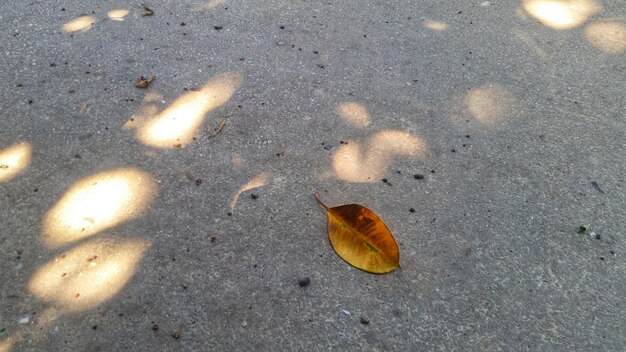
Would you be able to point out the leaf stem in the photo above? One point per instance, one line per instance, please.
(317, 198)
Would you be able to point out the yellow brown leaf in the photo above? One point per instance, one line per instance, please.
(361, 238)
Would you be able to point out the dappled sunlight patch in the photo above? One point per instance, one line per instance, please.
(117, 15)
(209, 5)
(13, 160)
(149, 108)
(238, 162)
(607, 36)
(176, 125)
(97, 203)
(561, 14)
(435, 25)
(89, 274)
(7, 343)
(489, 103)
(259, 180)
(369, 162)
(80, 24)
(354, 114)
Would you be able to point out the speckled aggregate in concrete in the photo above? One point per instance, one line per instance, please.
(517, 127)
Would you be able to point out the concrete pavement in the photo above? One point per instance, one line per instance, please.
(181, 216)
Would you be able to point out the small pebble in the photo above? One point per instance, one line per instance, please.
(364, 320)
(304, 281)
(281, 43)
(177, 334)
(418, 176)
(595, 235)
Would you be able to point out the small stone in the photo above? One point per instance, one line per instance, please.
(177, 334)
(412, 210)
(244, 324)
(583, 229)
(217, 28)
(595, 235)
(281, 43)
(364, 320)
(418, 176)
(304, 281)
(154, 326)
(24, 320)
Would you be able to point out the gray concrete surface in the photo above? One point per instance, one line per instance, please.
(517, 107)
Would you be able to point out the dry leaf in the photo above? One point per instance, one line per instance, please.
(147, 11)
(144, 82)
(361, 238)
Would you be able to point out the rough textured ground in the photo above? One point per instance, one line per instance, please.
(116, 234)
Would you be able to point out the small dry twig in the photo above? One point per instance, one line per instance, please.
(147, 11)
(222, 124)
(144, 82)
